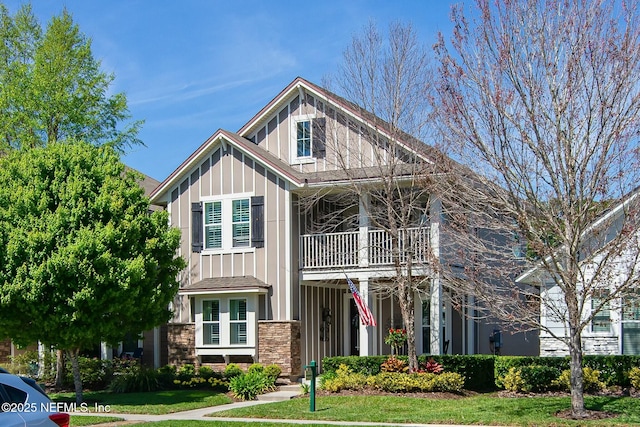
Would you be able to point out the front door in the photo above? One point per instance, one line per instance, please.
(354, 328)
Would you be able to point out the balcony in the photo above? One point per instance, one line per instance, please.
(362, 248)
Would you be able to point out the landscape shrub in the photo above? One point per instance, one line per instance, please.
(24, 364)
(205, 372)
(613, 369)
(477, 370)
(166, 377)
(344, 379)
(397, 382)
(393, 364)
(591, 380)
(634, 377)
(369, 365)
(248, 386)
(186, 372)
(137, 379)
(431, 366)
(273, 371)
(255, 367)
(232, 370)
(533, 378)
(96, 374)
(504, 363)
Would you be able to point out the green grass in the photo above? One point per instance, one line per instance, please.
(89, 420)
(481, 409)
(156, 403)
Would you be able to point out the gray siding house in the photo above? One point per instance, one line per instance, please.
(264, 282)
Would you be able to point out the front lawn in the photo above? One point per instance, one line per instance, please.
(156, 403)
(81, 420)
(481, 409)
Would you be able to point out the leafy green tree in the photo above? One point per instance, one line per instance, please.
(52, 88)
(82, 259)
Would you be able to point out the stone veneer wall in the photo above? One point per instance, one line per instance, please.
(279, 343)
(594, 345)
(5, 351)
(181, 344)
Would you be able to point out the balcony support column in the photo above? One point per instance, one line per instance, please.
(363, 224)
(366, 333)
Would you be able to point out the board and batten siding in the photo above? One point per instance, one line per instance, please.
(229, 172)
(277, 135)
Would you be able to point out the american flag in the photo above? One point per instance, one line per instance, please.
(366, 316)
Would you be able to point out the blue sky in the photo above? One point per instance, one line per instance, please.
(189, 67)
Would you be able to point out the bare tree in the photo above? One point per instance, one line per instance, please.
(386, 82)
(542, 100)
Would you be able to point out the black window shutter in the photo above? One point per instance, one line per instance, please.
(257, 221)
(196, 227)
(319, 126)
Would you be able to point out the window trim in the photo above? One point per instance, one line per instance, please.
(600, 316)
(225, 322)
(211, 322)
(295, 159)
(226, 202)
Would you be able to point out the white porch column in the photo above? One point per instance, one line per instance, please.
(366, 333)
(106, 352)
(436, 286)
(363, 223)
(436, 316)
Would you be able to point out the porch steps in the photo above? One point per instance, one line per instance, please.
(284, 392)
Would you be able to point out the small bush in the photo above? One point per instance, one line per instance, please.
(24, 364)
(344, 379)
(96, 374)
(432, 366)
(393, 364)
(248, 386)
(255, 367)
(232, 370)
(513, 380)
(273, 371)
(206, 372)
(534, 378)
(186, 372)
(138, 379)
(634, 377)
(591, 380)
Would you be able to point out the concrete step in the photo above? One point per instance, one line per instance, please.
(284, 392)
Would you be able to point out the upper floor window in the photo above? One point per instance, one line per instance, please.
(228, 222)
(307, 138)
(235, 232)
(303, 138)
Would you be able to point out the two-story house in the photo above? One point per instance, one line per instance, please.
(266, 277)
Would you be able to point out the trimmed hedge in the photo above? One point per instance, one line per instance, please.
(614, 370)
(477, 370)
(485, 372)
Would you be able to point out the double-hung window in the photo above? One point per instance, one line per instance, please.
(241, 223)
(213, 225)
(227, 223)
(601, 320)
(211, 322)
(303, 138)
(238, 321)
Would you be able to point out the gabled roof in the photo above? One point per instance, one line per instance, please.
(300, 85)
(223, 137)
(298, 179)
(607, 216)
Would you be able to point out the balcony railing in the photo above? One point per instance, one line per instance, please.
(340, 250)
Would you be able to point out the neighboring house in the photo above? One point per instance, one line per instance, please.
(263, 283)
(615, 328)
